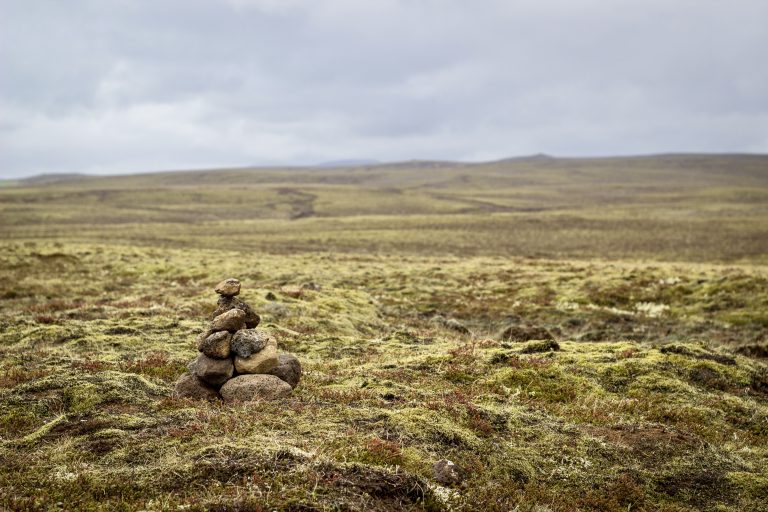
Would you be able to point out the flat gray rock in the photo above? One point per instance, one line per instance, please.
(247, 342)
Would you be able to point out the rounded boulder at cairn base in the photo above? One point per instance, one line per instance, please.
(245, 388)
(288, 368)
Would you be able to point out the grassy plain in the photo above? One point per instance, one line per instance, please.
(650, 273)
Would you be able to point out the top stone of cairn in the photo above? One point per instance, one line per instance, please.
(228, 287)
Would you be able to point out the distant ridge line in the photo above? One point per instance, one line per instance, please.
(54, 178)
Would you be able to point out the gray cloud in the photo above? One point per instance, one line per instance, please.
(129, 85)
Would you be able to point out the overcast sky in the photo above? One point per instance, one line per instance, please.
(107, 86)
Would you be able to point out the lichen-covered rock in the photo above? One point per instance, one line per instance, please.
(215, 345)
(191, 386)
(261, 362)
(233, 320)
(213, 371)
(224, 304)
(294, 292)
(228, 288)
(245, 388)
(447, 473)
(247, 342)
(288, 369)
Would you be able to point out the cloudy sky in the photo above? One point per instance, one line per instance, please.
(107, 86)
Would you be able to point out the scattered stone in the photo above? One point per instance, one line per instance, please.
(311, 286)
(524, 333)
(245, 388)
(263, 361)
(228, 288)
(224, 304)
(292, 291)
(233, 320)
(215, 345)
(270, 296)
(191, 386)
(247, 342)
(447, 473)
(213, 371)
(288, 369)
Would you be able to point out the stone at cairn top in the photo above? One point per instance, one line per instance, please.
(228, 287)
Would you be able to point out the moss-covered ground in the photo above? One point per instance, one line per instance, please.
(650, 403)
(576, 335)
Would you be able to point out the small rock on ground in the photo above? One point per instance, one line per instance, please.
(288, 369)
(294, 292)
(447, 473)
(244, 388)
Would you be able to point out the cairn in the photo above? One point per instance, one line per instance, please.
(237, 362)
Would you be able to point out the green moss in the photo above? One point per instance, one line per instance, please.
(629, 421)
(549, 383)
(533, 347)
(659, 383)
(82, 397)
(42, 431)
(433, 428)
(618, 376)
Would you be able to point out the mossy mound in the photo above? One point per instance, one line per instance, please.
(663, 413)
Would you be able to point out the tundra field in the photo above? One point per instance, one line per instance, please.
(576, 334)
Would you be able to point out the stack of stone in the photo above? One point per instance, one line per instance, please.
(237, 362)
